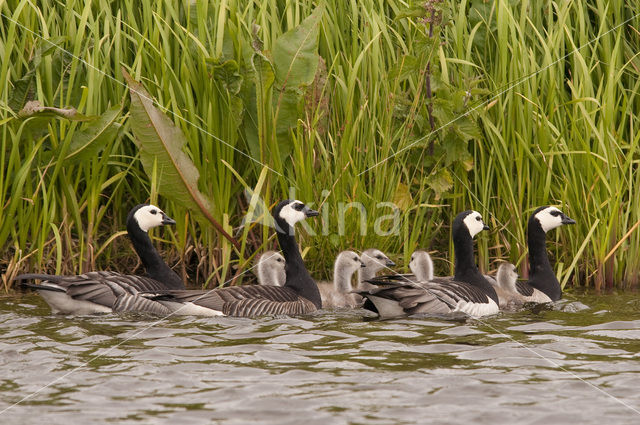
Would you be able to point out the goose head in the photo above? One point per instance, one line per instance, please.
(271, 269)
(375, 260)
(147, 216)
(290, 212)
(469, 221)
(549, 218)
(348, 262)
(421, 265)
(507, 276)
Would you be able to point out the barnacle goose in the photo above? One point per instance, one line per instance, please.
(337, 294)
(299, 295)
(468, 291)
(270, 269)
(542, 286)
(92, 292)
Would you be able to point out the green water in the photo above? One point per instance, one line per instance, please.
(559, 364)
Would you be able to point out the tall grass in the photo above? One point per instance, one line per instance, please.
(557, 125)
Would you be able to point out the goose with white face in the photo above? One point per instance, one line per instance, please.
(551, 217)
(296, 211)
(150, 216)
(474, 223)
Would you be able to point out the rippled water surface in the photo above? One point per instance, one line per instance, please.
(565, 364)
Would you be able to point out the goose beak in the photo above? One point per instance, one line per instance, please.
(485, 227)
(389, 263)
(167, 220)
(310, 213)
(567, 220)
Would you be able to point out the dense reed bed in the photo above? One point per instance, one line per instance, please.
(432, 107)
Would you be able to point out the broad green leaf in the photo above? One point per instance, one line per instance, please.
(402, 197)
(411, 12)
(408, 66)
(264, 73)
(443, 112)
(288, 109)
(24, 88)
(441, 181)
(90, 140)
(316, 99)
(228, 74)
(467, 128)
(255, 101)
(34, 108)
(23, 91)
(455, 149)
(295, 53)
(49, 46)
(161, 142)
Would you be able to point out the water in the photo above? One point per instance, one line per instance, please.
(540, 366)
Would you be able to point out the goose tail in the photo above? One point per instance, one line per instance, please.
(48, 281)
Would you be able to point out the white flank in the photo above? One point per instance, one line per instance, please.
(61, 303)
(537, 297)
(477, 309)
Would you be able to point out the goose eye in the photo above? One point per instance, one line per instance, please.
(555, 213)
(298, 207)
(379, 257)
(153, 212)
(355, 258)
(479, 218)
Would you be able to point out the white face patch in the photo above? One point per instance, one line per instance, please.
(149, 217)
(291, 214)
(474, 223)
(549, 218)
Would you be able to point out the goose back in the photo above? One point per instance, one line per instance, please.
(239, 301)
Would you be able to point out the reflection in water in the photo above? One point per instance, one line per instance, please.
(536, 366)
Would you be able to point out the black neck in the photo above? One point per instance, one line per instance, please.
(466, 269)
(154, 265)
(541, 274)
(298, 278)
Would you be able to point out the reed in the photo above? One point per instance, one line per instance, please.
(537, 102)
